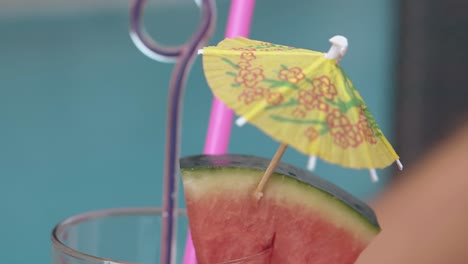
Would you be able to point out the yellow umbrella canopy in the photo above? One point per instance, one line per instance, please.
(298, 97)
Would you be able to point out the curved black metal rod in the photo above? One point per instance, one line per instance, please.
(177, 85)
(184, 56)
(144, 42)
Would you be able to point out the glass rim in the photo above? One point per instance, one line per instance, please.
(97, 214)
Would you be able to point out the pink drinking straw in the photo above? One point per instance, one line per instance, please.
(220, 124)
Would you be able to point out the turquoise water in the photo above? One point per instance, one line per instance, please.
(82, 111)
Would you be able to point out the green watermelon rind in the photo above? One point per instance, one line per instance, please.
(253, 164)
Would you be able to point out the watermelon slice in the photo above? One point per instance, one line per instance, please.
(300, 219)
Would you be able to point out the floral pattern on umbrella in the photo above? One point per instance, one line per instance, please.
(298, 97)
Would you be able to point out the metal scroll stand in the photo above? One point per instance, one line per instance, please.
(183, 56)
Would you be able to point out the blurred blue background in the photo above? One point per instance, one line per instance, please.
(82, 111)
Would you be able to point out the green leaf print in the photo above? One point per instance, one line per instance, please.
(232, 74)
(230, 63)
(277, 83)
(321, 123)
(291, 102)
(298, 121)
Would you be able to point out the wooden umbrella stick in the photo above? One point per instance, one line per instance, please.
(269, 171)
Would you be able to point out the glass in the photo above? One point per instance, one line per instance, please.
(121, 236)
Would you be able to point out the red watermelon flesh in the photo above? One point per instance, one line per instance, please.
(301, 218)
